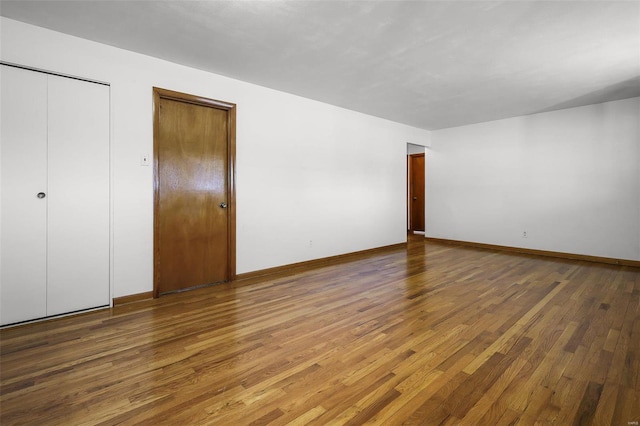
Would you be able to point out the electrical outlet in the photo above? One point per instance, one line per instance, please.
(524, 234)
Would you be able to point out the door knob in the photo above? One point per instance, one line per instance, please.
(223, 205)
(415, 198)
(41, 195)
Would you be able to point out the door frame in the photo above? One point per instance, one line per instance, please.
(410, 191)
(230, 108)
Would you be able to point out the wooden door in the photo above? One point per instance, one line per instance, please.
(416, 192)
(23, 220)
(194, 214)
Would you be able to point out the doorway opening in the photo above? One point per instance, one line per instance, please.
(415, 189)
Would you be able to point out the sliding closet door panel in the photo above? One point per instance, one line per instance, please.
(78, 216)
(23, 174)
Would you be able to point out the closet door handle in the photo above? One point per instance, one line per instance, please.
(41, 195)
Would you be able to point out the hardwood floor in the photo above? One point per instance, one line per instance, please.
(430, 334)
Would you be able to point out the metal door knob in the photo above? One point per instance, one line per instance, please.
(223, 205)
(41, 195)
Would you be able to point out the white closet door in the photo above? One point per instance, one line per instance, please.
(23, 216)
(78, 214)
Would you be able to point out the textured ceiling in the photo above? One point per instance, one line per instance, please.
(430, 64)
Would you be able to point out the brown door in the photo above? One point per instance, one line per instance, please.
(193, 154)
(416, 192)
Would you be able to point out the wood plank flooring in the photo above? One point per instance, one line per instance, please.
(430, 334)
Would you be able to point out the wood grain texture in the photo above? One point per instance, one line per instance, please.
(194, 153)
(416, 192)
(428, 334)
(192, 228)
(117, 301)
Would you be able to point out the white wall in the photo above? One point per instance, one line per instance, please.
(569, 178)
(313, 180)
